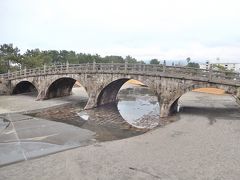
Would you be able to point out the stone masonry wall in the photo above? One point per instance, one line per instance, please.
(4, 90)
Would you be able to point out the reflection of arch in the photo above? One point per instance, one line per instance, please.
(24, 87)
(60, 87)
(109, 93)
(173, 104)
(112, 124)
(110, 116)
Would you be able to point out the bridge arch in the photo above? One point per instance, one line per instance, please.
(60, 87)
(173, 103)
(24, 87)
(109, 92)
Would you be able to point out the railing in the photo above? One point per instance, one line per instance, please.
(224, 77)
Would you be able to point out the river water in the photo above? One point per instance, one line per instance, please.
(135, 112)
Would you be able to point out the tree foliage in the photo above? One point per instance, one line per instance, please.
(154, 61)
(130, 59)
(192, 64)
(188, 60)
(11, 59)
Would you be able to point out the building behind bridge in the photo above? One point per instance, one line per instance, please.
(228, 66)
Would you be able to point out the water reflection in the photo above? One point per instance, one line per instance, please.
(139, 106)
(135, 112)
(105, 121)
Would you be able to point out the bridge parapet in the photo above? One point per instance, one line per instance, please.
(224, 77)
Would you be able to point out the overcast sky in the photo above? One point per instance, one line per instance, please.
(144, 29)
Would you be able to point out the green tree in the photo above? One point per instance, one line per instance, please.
(188, 60)
(97, 58)
(63, 54)
(34, 58)
(154, 61)
(130, 59)
(54, 56)
(114, 59)
(141, 62)
(9, 57)
(193, 65)
(71, 57)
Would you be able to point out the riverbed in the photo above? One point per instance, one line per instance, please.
(54, 119)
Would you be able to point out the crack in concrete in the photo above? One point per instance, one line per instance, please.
(145, 172)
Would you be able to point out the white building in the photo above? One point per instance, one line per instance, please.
(229, 66)
(205, 66)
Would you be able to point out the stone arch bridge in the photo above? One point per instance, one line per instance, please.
(103, 81)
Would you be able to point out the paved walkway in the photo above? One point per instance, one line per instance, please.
(25, 103)
(25, 137)
(203, 144)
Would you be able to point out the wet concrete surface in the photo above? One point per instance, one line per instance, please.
(105, 121)
(23, 137)
(202, 144)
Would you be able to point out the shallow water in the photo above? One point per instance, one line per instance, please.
(133, 110)
(113, 121)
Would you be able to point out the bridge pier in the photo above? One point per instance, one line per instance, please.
(167, 109)
(92, 101)
(41, 95)
(164, 110)
(4, 87)
(168, 103)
